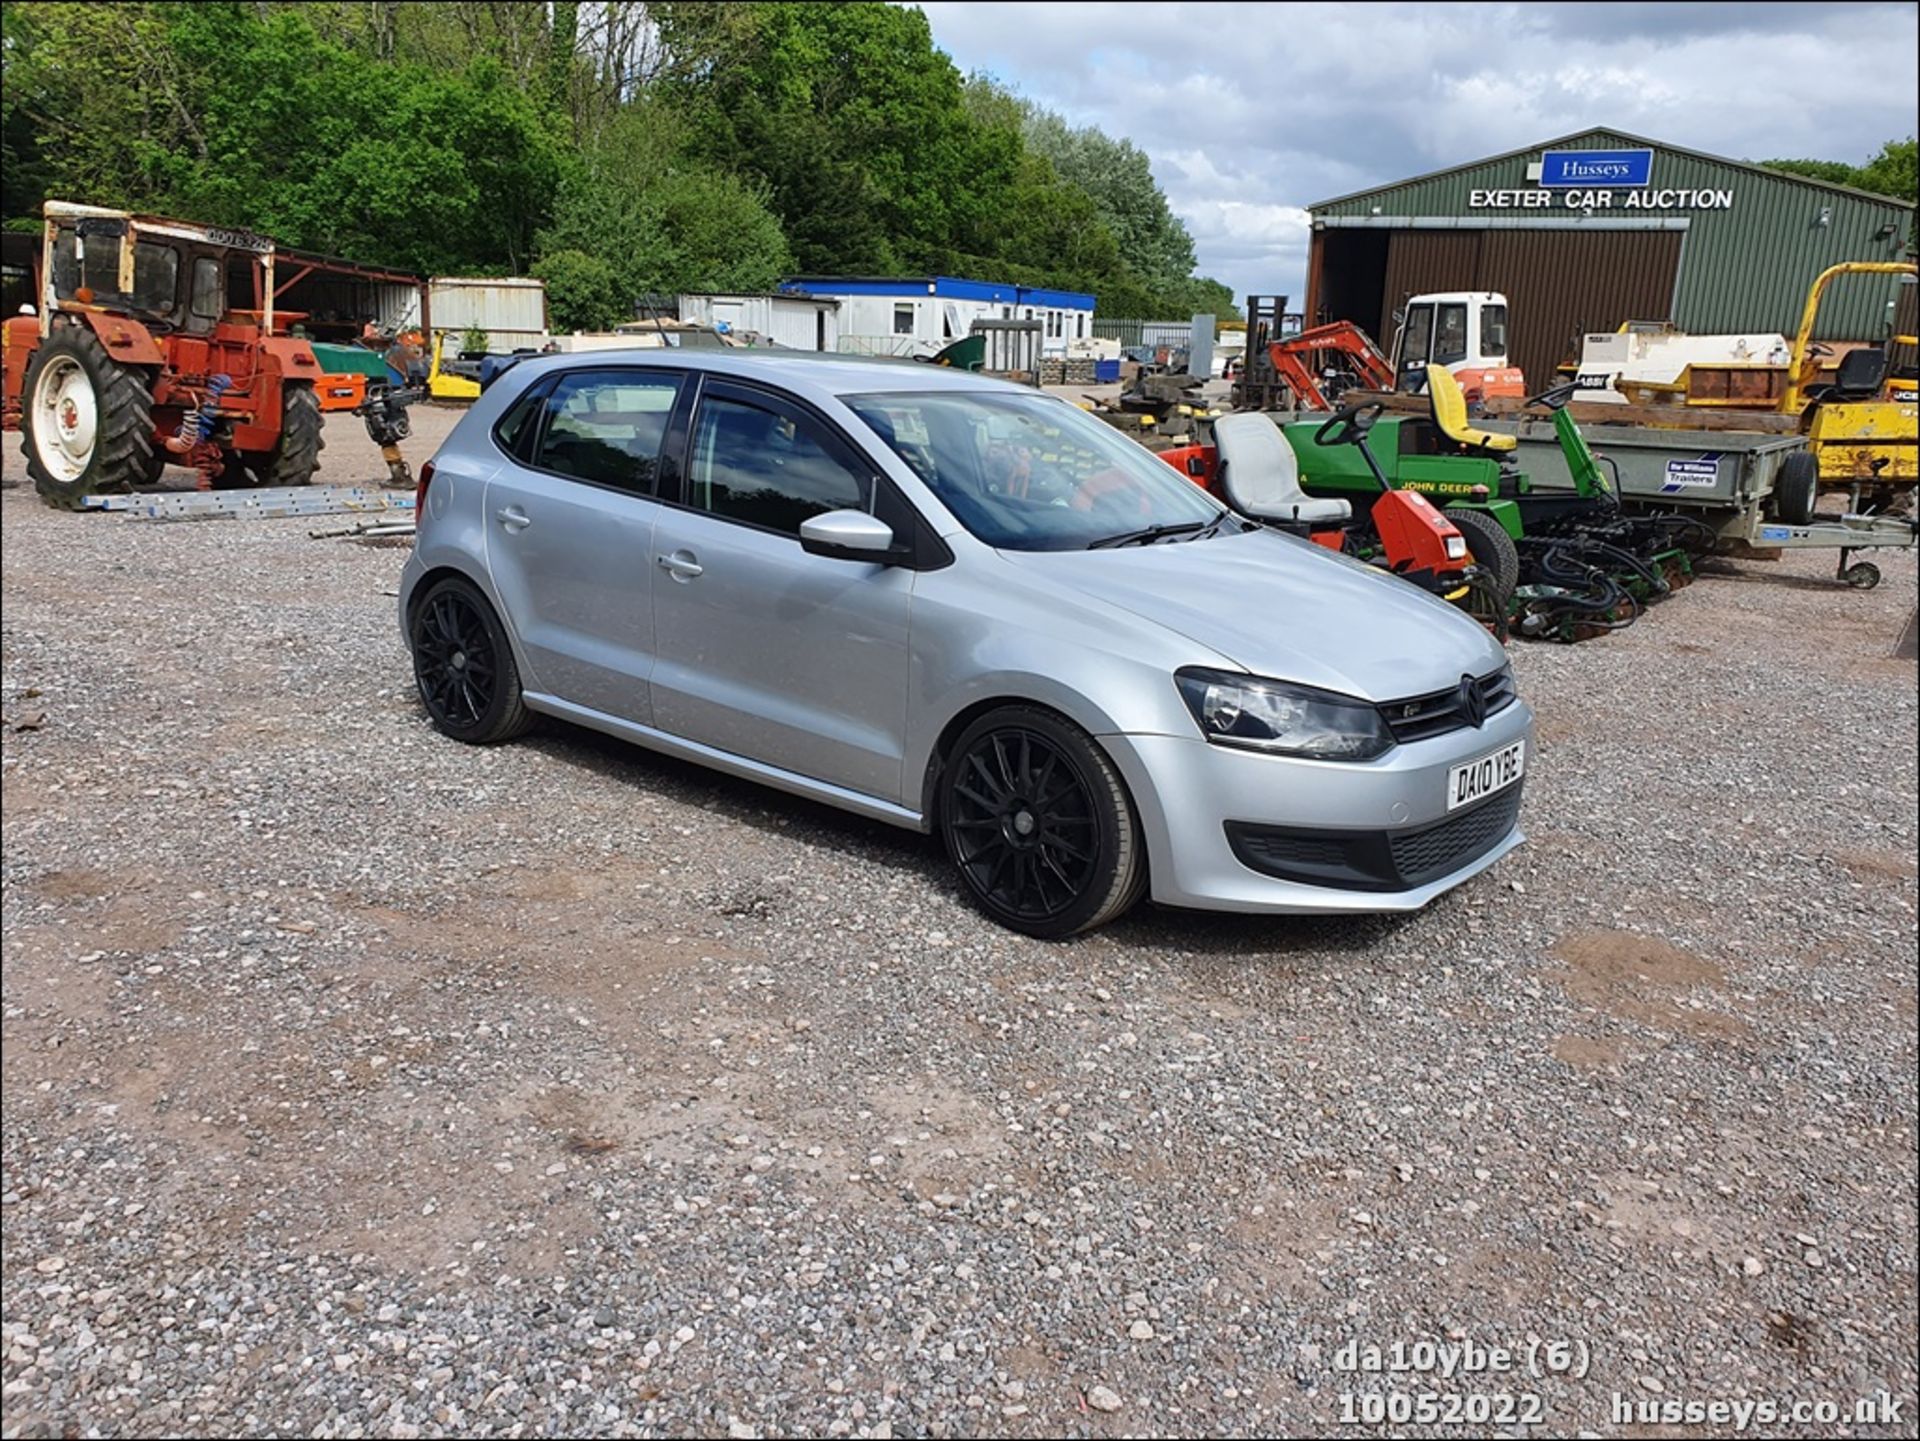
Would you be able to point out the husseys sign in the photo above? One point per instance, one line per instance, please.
(1586, 180)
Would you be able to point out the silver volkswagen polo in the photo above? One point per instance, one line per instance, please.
(962, 606)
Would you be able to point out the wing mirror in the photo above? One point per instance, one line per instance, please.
(849, 535)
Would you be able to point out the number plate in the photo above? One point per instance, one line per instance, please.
(1476, 780)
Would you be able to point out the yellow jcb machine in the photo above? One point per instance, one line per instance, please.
(1862, 426)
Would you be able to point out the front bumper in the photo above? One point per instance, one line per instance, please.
(1188, 791)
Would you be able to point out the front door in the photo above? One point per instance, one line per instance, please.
(763, 650)
(570, 521)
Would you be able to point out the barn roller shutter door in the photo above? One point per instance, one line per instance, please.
(1561, 283)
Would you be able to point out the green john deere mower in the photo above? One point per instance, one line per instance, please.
(1566, 564)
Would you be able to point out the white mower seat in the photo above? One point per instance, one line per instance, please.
(1260, 475)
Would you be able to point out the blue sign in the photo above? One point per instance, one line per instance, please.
(1566, 168)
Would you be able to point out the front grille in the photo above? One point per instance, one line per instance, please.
(1424, 717)
(1376, 860)
(1433, 851)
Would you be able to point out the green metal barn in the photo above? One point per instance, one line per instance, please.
(1592, 230)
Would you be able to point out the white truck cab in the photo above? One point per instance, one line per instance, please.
(1462, 331)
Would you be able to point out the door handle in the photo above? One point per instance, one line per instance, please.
(513, 518)
(681, 565)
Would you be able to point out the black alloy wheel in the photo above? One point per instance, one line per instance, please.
(465, 667)
(1036, 818)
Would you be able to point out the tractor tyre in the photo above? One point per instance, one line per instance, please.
(1492, 550)
(156, 471)
(1796, 489)
(86, 420)
(294, 460)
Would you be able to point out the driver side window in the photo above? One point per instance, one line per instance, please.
(769, 467)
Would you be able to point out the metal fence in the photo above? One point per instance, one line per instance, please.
(1156, 333)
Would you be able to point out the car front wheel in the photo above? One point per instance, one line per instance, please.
(1039, 824)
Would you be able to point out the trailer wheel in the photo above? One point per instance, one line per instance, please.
(1861, 575)
(1796, 488)
(87, 424)
(297, 456)
(1492, 550)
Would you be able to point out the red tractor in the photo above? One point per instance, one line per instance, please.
(135, 361)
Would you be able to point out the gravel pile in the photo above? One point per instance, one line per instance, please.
(358, 1083)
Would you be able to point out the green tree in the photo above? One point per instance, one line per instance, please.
(1895, 170)
(1135, 254)
(1118, 178)
(1891, 172)
(855, 124)
(658, 222)
(137, 106)
(583, 293)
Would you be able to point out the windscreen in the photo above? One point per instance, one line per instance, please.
(1031, 472)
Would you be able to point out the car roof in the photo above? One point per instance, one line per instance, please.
(811, 374)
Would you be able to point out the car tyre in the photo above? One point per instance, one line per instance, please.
(1040, 825)
(464, 666)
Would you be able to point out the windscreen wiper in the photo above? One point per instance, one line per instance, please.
(1150, 534)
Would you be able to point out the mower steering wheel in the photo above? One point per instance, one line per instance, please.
(1353, 422)
(1553, 398)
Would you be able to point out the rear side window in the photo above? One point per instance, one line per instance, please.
(606, 427)
(768, 468)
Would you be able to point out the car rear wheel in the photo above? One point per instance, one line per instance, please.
(1039, 824)
(464, 666)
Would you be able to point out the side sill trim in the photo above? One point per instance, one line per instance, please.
(790, 781)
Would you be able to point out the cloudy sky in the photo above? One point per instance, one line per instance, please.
(1250, 112)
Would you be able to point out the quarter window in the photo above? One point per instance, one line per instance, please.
(768, 469)
(516, 428)
(606, 427)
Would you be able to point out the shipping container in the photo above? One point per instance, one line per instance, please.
(511, 310)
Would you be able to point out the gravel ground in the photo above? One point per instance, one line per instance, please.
(357, 1083)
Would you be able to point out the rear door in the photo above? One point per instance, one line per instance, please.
(764, 651)
(570, 521)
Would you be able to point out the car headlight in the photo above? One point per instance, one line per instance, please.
(1270, 715)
